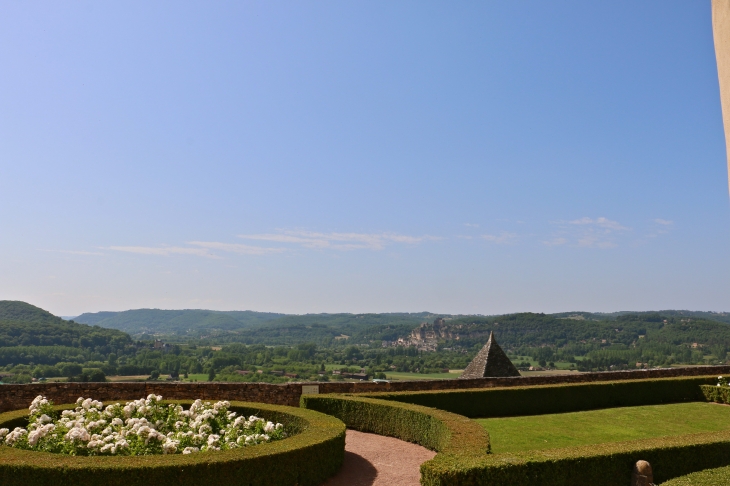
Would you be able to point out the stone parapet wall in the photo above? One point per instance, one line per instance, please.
(14, 397)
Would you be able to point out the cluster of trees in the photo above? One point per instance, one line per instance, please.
(36, 344)
(265, 363)
(213, 327)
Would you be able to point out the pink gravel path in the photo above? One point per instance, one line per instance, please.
(375, 460)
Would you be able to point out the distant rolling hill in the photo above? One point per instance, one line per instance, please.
(29, 334)
(255, 327)
(514, 330)
(607, 316)
(176, 322)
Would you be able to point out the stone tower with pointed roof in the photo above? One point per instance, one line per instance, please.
(490, 362)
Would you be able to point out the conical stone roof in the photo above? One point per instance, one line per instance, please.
(490, 362)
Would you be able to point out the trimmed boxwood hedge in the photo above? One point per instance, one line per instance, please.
(538, 400)
(434, 429)
(710, 477)
(714, 393)
(314, 453)
(463, 457)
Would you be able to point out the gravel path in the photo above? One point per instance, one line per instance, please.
(376, 460)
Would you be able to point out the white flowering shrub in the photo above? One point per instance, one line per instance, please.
(140, 427)
(721, 381)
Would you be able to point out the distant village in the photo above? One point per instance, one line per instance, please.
(426, 336)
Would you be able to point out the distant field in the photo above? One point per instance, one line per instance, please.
(548, 372)
(192, 377)
(420, 376)
(128, 378)
(553, 431)
(196, 377)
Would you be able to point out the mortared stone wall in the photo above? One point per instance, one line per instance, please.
(14, 397)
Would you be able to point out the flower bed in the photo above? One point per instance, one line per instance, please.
(312, 451)
(141, 427)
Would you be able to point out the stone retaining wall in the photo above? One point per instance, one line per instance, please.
(14, 397)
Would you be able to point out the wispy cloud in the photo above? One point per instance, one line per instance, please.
(587, 232)
(660, 227)
(471, 225)
(595, 240)
(164, 250)
(302, 239)
(502, 238)
(599, 223)
(338, 241)
(555, 241)
(236, 248)
(77, 252)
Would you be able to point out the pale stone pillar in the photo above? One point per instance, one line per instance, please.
(721, 32)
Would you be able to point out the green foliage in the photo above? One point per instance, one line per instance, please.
(592, 342)
(176, 322)
(256, 327)
(536, 400)
(89, 374)
(307, 458)
(38, 342)
(714, 393)
(451, 435)
(17, 311)
(31, 335)
(462, 459)
(710, 477)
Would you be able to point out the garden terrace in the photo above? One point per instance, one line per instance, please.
(313, 453)
(14, 397)
(463, 446)
(539, 400)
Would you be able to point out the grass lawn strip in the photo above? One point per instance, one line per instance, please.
(574, 429)
(708, 477)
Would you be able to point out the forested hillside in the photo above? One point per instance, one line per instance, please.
(28, 326)
(203, 326)
(224, 345)
(183, 323)
(655, 338)
(32, 336)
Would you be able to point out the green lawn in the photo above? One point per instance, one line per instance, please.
(396, 375)
(708, 477)
(552, 431)
(196, 377)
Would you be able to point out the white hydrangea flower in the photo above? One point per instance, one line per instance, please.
(143, 426)
(15, 435)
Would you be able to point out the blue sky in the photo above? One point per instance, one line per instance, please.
(468, 157)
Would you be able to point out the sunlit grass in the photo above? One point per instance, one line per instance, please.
(513, 434)
(395, 375)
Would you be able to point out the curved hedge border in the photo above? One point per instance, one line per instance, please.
(463, 445)
(711, 477)
(714, 393)
(309, 457)
(538, 400)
